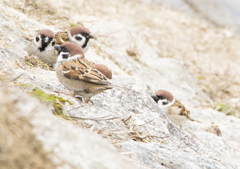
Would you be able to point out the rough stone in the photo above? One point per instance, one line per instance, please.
(128, 119)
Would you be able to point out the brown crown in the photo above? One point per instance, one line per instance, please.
(79, 29)
(73, 48)
(165, 94)
(104, 70)
(47, 33)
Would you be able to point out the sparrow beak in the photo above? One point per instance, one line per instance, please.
(57, 47)
(155, 98)
(91, 37)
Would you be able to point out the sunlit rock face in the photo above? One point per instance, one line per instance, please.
(124, 128)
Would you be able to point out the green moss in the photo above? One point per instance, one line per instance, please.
(225, 108)
(57, 102)
(72, 24)
(30, 64)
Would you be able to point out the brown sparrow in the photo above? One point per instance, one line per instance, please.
(78, 74)
(43, 47)
(174, 110)
(79, 35)
(104, 70)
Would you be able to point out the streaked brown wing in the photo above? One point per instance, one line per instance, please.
(61, 37)
(183, 110)
(82, 69)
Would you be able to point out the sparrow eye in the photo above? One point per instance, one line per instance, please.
(53, 43)
(37, 39)
(64, 49)
(161, 97)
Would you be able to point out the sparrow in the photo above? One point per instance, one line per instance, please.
(174, 109)
(43, 47)
(78, 74)
(104, 70)
(79, 35)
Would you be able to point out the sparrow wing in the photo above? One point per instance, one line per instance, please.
(82, 69)
(61, 37)
(184, 111)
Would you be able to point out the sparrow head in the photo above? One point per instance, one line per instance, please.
(104, 70)
(67, 50)
(80, 35)
(45, 40)
(163, 97)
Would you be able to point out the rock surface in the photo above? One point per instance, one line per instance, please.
(128, 119)
(220, 12)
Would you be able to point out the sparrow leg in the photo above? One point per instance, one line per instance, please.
(74, 94)
(88, 100)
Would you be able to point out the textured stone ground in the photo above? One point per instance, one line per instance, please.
(127, 129)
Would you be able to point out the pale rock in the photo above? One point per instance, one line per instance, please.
(135, 116)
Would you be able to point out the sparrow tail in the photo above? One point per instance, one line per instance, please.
(194, 120)
(119, 87)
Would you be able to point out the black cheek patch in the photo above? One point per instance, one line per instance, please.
(165, 103)
(86, 42)
(65, 56)
(78, 38)
(44, 44)
(37, 38)
(53, 43)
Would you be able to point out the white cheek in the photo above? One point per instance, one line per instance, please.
(50, 45)
(160, 103)
(165, 101)
(164, 107)
(38, 44)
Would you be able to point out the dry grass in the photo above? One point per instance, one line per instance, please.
(33, 61)
(210, 54)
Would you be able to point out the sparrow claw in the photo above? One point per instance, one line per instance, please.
(88, 100)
